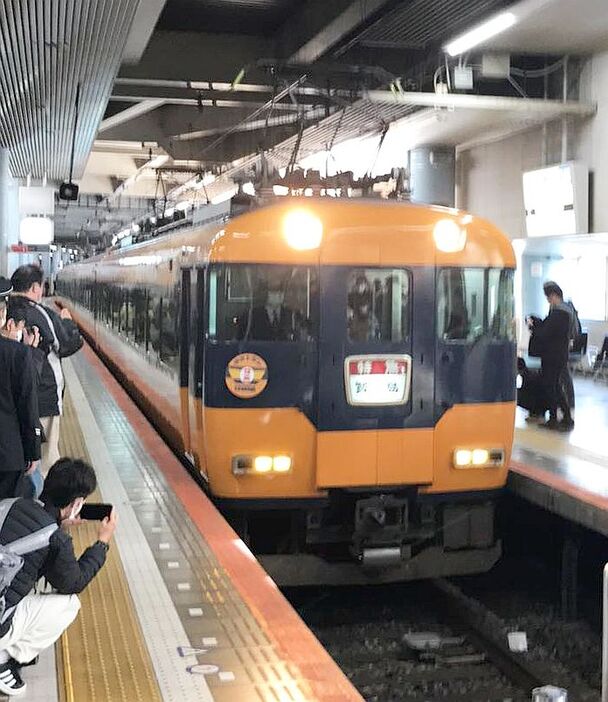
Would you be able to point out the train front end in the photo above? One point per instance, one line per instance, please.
(357, 388)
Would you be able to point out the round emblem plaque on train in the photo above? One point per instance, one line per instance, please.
(247, 375)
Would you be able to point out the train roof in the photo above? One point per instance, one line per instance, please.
(331, 231)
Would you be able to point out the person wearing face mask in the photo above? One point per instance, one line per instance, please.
(19, 425)
(360, 312)
(32, 621)
(59, 337)
(272, 321)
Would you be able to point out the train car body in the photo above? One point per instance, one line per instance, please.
(342, 373)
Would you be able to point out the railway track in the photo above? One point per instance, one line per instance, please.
(428, 642)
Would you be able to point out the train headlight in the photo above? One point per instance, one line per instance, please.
(281, 464)
(302, 230)
(262, 464)
(479, 458)
(463, 458)
(449, 236)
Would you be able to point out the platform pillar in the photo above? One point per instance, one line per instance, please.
(569, 576)
(433, 175)
(9, 214)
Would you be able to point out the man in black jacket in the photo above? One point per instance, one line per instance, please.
(33, 622)
(59, 338)
(553, 338)
(19, 425)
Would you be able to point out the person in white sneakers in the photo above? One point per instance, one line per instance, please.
(32, 622)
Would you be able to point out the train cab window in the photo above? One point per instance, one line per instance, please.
(378, 307)
(473, 303)
(501, 313)
(263, 303)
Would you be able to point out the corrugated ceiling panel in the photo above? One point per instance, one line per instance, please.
(421, 23)
(47, 47)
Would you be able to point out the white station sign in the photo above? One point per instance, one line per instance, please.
(377, 380)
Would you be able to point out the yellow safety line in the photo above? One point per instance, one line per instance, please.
(67, 670)
(110, 661)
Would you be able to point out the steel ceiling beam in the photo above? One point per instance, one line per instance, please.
(481, 102)
(334, 31)
(251, 125)
(133, 112)
(143, 25)
(47, 48)
(203, 102)
(149, 88)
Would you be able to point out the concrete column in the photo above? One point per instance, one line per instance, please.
(9, 215)
(433, 175)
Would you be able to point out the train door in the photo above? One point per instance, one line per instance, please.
(375, 380)
(191, 362)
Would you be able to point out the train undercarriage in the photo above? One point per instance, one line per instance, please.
(363, 536)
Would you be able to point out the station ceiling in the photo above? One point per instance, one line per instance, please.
(175, 88)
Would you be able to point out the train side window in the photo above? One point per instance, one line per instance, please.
(139, 300)
(378, 307)
(155, 310)
(460, 304)
(501, 313)
(169, 347)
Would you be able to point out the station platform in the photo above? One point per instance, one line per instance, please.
(567, 474)
(182, 610)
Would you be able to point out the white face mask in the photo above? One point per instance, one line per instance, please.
(19, 336)
(77, 506)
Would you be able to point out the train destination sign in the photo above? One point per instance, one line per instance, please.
(377, 380)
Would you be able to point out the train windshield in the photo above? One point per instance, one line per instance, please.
(475, 303)
(263, 303)
(378, 305)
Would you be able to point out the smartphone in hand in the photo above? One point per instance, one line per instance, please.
(95, 511)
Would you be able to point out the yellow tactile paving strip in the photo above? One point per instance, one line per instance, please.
(102, 656)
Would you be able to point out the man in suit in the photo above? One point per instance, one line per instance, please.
(19, 423)
(271, 321)
(552, 337)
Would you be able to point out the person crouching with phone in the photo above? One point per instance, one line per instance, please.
(33, 622)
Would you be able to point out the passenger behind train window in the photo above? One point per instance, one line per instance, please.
(475, 303)
(378, 305)
(263, 303)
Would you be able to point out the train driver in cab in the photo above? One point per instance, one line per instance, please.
(269, 319)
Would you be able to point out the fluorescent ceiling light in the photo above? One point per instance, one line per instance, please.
(480, 34)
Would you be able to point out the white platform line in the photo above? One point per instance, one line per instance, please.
(160, 623)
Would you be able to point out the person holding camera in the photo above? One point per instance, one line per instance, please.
(19, 421)
(31, 622)
(59, 337)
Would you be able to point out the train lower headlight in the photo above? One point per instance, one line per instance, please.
(302, 230)
(449, 236)
(462, 458)
(262, 464)
(480, 457)
(281, 464)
